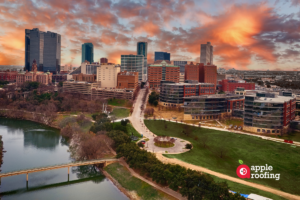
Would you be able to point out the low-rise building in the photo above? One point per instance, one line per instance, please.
(84, 77)
(93, 90)
(268, 113)
(61, 77)
(172, 94)
(162, 71)
(9, 76)
(127, 80)
(230, 86)
(181, 77)
(211, 106)
(34, 75)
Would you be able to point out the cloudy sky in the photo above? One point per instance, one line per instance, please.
(256, 35)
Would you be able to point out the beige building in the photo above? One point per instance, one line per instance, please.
(107, 75)
(181, 77)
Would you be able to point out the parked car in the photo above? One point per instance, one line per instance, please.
(235, 127)
(230, 126)
(174, 138)
(143, 141)
(240, 128)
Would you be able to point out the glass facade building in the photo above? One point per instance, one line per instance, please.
(133, 63)
(162, 56)
(87, 52)
(45, 48)
(267, 112)
(211, 106)
(172, 94)
(142, 49)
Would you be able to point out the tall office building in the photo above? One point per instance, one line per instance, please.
(45, 48)
(142, 49)
(181, 64)
(133, 63)
(87, 52)
(206, 55)
(162, 56)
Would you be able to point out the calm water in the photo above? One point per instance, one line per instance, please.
(30, 144)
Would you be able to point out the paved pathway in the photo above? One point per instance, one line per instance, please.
(137, 121)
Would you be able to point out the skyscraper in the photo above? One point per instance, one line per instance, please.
(162, 56)
(45, 48)
(206, 55)
(142, 48)
(87, 52)
(133, 63)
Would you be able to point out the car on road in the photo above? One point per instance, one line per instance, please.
(240, 128)
(143, 141)
(174, 138)
(230, 126)
(235, 127)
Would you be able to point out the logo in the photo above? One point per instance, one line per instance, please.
(243, 171)
(258, 172)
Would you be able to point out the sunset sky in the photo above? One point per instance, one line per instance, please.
(257, 35)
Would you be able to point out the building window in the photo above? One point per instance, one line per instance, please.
(258, 130)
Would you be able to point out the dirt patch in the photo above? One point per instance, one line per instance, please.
(167, 113)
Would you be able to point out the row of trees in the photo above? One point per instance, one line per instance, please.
(191, 184)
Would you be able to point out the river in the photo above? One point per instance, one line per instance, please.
(29, 144)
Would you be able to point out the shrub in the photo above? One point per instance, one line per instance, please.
(141, 144)
(188, 146)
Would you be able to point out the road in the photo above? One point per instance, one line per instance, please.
(137, 121)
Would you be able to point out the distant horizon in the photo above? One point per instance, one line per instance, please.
(245, 35)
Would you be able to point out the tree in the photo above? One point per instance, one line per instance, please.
(124, 122)
(188, 146)
(141, 145)
(119, 137)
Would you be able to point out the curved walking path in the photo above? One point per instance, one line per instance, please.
(223, 176)
(137, 120)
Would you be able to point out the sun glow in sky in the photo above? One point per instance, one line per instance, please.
(256, 35)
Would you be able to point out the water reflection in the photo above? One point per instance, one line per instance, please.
(41, 139)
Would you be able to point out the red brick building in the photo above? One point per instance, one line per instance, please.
(162, 71)
(9, 76)
(230, 86)
(103, 60)
(201, 73)
(127, 80)
(85, 77)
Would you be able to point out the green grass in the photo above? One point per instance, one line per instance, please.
(118, 102)
(131, 183)
(244, 189)
(295, 136)
(252, 150)
(120, 112)
(131, 129)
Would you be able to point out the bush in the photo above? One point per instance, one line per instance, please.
(141, 144)
(124, 122)
(120, 128)
(119, 137)
(188, 146)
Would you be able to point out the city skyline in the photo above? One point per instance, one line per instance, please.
(244, 35)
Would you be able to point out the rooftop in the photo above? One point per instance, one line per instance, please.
(160, 63)
(188, 84)
(214, 96)
(276, 99)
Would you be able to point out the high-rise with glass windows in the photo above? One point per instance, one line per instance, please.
(162, 56)
(87, 52)
(207, 53)
(133, 63)
(45, 48)
(142, 48)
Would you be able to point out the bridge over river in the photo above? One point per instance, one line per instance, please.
(67, 165)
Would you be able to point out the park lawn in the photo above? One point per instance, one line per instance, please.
(120, 112)
(295, 136)
(118, 102)
(131, 183)
(252, 150)
(244, 189)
